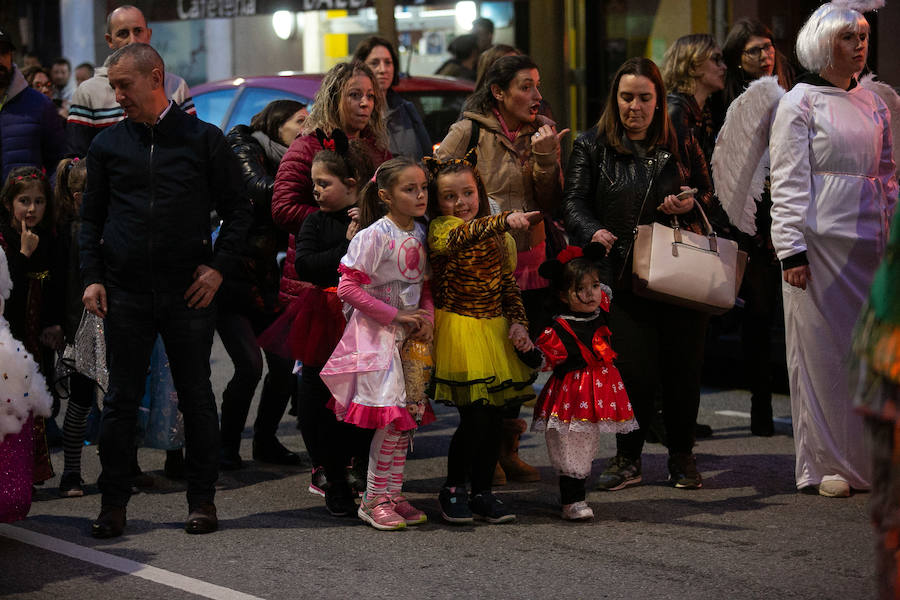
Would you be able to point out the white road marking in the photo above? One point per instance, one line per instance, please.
(746, 415)
(123, 565)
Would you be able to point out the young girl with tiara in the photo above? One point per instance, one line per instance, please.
(313, 322)
(584, 396)
(384, 289)
(479, 323)
(35, 307)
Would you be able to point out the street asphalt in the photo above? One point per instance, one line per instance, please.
(747, 534)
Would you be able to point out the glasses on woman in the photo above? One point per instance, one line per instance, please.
(758, 51)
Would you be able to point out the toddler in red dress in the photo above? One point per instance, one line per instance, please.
(584, 396)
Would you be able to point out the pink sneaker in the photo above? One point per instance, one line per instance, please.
(411, 514)
(379, 513)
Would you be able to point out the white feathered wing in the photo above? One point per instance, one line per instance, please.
(892, 100)
(740, 159)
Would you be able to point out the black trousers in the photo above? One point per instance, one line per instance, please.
(658, 345)
(475, 447)
(761, 291)
(132, 323)
(238, 334)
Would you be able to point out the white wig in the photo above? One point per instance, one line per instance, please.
(815, 42)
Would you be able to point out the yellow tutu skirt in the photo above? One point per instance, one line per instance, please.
(476, 362)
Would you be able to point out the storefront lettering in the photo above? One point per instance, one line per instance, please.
(215, 9)
(334, 4)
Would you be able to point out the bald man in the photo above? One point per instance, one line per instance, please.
(93, 106)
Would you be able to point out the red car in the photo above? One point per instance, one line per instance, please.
(229, 102)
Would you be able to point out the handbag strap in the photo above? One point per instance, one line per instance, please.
(710, 232)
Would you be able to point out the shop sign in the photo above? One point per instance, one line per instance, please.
(184, 10)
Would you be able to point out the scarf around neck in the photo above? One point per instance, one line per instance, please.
(274, 150)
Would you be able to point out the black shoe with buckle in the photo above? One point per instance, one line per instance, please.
(110, 523)
(202, 519)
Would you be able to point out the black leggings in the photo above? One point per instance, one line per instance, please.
(475, 447)
(329, 442)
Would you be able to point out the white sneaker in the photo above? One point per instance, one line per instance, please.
(577, 511)
(834, 488)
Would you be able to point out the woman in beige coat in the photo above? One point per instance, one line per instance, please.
(518, 158)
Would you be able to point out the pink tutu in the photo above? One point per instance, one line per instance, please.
(379, 417)
(309, 329)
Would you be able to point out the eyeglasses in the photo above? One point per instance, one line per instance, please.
(757, 51)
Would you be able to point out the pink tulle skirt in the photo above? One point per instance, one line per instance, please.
(309, 329)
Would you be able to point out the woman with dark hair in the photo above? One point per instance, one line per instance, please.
(518, 157)
(465, 51)
(749, 55)
(624, 172)
(349, 99)
(249, 302)
(406, 131)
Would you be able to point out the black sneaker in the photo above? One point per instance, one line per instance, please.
(683, 471)
(318, 482)
(339, 499)
(488, 507)
(620, 472)
(455, 505)
(70, 485)
(357, 475)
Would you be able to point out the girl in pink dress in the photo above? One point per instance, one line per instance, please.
(383, 287)
(584, 396)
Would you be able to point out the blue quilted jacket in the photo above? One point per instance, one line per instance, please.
(31, 131)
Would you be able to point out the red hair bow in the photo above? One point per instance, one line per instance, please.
(328, 144)
(568, 253)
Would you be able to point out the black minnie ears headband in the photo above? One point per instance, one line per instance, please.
(552, 269)
(336, 142)
(434, 166)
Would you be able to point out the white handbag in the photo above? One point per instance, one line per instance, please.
(678, 266)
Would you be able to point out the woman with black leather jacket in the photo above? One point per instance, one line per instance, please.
(622, 173)
(248, 301)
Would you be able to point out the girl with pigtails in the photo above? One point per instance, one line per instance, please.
(387, 301)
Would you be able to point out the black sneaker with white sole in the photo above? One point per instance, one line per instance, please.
(488, 507)
(455, 505)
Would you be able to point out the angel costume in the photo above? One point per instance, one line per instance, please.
(833, 192)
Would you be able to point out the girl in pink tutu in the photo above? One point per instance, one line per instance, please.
(383, 287)
(314, 322)
(584, 396)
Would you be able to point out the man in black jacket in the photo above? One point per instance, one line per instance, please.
(150, 269)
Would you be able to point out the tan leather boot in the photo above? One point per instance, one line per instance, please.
(499, 476)
(513, 466)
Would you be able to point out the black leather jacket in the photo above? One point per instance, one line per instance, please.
(606, 188)
(255, 285)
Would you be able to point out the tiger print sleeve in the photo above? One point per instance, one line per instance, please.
(451, 234)
(510, 295)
